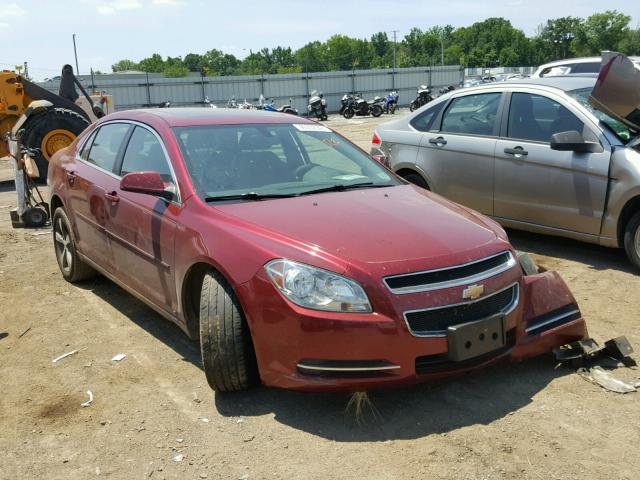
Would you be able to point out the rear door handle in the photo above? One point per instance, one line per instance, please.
(517, 152)
(71, 176)
(438, 141)
(112, 197)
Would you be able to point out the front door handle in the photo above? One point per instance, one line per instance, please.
(71, 176)
(517, 152)
(439, 141)
(112, 197)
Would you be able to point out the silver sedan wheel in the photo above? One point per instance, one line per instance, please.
(62, 240)
(636, 241)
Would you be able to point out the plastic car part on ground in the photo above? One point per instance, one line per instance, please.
(595, 358)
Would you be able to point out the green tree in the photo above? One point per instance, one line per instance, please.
(175, 70)
(154, 64)
(311, 57)
(630, 44)
(601, 31)
(194, 62)
(558, 35)
(124, 65)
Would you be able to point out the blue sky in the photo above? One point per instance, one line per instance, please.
(110, 30)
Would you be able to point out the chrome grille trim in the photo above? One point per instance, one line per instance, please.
(347, 369)
(470, 279)
(556, 319)
(442, 333)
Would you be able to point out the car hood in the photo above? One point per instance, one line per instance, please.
(617, 90)
(378, 226)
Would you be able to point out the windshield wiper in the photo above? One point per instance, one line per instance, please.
(342, 187)
(247, 196)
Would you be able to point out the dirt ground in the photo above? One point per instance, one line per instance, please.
(154, 408)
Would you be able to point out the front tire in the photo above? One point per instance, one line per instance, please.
(348, 113)
(376, 110)
(413, 106)
(632, 240)
(73, 269)
(225, 340)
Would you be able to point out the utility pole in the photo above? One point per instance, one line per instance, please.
(26, 70)
(75, 54)
(442, 47)
(394, 49)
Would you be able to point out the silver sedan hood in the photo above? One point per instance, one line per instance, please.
(617, 90)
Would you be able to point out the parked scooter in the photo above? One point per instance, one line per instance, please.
(317, 105)
(424, 97)
(208, 104)
(270, 107)
(165, 104)
(391, 102)
(355, 105)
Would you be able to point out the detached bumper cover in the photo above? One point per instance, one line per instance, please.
(306, 350)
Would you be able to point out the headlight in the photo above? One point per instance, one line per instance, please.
(317, 289)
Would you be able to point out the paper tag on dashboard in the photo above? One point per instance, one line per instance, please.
(311, 127)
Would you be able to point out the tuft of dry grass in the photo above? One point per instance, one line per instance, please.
(359, 405)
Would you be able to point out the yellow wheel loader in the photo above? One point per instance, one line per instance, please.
(43, 121)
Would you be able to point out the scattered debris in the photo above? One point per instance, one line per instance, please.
(203, 419)
(88, 402)
(4, 335)
(41, 232)
(179, 440)
(195, 398)
(118, 357)
(24, 333)
(244, 476)
(64, 355)
(178, 458)
(240, 420)
(603, 378)
(248, 439)
(588, 353)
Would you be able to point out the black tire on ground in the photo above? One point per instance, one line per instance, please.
(323, 116)
(376, 110)
(348, 113)
(392, 108)
(40, 124)
(413, 106)
(73, 269)
(35, 217)
(416, 179)
(632, 240)
(225, 341)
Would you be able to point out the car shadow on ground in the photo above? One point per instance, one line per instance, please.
(7, 186)
(595, 256)
(481, 397)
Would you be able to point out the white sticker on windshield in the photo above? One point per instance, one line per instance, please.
(311, 127)
(348, 177)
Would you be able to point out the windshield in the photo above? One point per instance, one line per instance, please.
(621, 131)
(274, 160)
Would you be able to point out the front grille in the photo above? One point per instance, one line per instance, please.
(450, 276)
(435, 321)
(440, 362)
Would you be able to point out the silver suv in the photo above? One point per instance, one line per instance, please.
(556, 155)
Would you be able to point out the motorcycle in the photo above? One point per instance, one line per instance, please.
(424, 97)
(165, 104)
(270, 107)
(233, 103)
(391, 102)
(208, 104)
(355, 105)
(317, 105)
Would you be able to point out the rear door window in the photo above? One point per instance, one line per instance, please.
(106, 145)
(536, 118)
(472, 114)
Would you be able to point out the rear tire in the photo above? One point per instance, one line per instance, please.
(48, 131)
(324, 116)
(413, 106)
(225, 341)
(348, 113)
(35, 217)
(73, 269)
(392, 108)
(632, 240)
(416, 179)
(376, 110)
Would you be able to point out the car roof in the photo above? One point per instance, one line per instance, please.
(565, 83)
(182, 117)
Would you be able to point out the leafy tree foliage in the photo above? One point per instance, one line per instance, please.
(490, 43)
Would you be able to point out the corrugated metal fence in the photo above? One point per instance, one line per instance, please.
(142, 90)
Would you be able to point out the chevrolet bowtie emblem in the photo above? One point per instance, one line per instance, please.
(472, 292)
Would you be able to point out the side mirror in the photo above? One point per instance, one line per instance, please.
(145, 182)
(573, 141)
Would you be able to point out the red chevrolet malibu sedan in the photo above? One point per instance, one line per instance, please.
(295, 259)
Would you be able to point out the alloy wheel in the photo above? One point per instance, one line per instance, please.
(62, 239)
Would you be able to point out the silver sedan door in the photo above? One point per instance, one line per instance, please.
(458, 157)
(535, 185)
